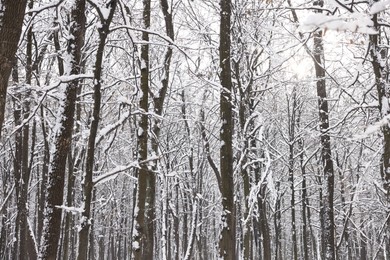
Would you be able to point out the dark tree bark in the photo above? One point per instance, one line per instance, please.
(144, 236)
(305, 233)
(73, 166)
(43, 179)
(277, 223)
(326, 155)
(55, 190)
(10, 31)
(291, 143)
(90, 162)
(262, 222)
(24, 245)
(227, 242)
(379, 63)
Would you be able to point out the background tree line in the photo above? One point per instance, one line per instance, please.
(194, 129)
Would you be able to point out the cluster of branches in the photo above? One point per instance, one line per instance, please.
(194, 130)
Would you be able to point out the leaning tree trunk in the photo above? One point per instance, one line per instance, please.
(326, 155)
(144, 234)
(227, 242)
(379, 63)
(56, 181)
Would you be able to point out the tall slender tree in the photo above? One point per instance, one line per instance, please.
(326, 154)
(379, 61)
(144, 234)
(227, 243)
(87, 182)
(56, 178)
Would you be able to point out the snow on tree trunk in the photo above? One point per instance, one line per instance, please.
(86, 221)
(326, 155)
(56, 178)
(143, 244)
(379, 56)
(227, 242)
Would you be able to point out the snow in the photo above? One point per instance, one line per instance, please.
(105, 12)
(193, 230)
(143, 64)
(385, 105)
(374, 128)
(379, 6)
(43, 7)
(252, 199)
(73, 210)
(135, 245)
(114, 173)
(70, 78)
(355, 22)
(140, 131)
(109, 128)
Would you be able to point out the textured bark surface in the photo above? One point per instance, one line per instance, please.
(10, 31)
(56, 178)
(381, 71)
(86, 221)
(326, 155)
(227, 243)
(292, 112)
(144, 235)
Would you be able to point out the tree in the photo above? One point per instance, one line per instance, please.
(10, 31)
(56, 178)
(144, 234)
(227, 243)
(88, 181)
(326, 151)
(379, 56)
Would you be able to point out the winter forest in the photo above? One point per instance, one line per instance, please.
(195, 129)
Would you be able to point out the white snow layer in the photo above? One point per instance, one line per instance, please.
(355, 22)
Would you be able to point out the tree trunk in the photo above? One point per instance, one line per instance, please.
(10, 31)
(291, 131)
(55, 190)
(326, 155)
(277, 223)
(86, 220)
(144, 236)
(227, 242)
(379, 63)
(305, 236)
(263, 223)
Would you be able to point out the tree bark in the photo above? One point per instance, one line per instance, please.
(381, 71)
(227, 242)
(55, 190)
(86, 220)
(326, 155)
(291, 131)
(10, 31)
(144, 235)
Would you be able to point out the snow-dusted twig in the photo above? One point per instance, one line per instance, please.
(256, 189)
(193, 230)
(109, 128)
(44, 7)
(7, 198)
(113, 173)
(165, 38)
(70, 209)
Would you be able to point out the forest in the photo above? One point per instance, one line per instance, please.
(195, 129)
